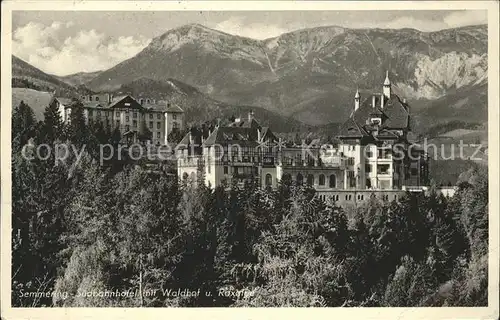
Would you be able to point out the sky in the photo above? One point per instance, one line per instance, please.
(67, 42)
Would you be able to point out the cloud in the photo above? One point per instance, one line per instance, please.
(466, 18)
(88, 50)
(451, 20)
(256, 30)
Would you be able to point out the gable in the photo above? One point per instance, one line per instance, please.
(126, 102)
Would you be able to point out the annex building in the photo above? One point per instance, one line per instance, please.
(373, 157)
(133, 117)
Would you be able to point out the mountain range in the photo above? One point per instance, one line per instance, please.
(311, 74)
(308, 75)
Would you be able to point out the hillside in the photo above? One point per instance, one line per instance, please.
(199, 107)
(24, 75)
(312, 74)
(80, 78)
(37, 100)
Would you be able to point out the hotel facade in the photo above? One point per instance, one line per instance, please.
(373, 156)
(133, 117)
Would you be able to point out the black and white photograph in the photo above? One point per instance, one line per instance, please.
(253, 157)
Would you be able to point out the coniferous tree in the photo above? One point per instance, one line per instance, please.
(52, 127)
(77, 129)
(23, 125)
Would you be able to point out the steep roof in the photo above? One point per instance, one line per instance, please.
(352, 129)
(122, 102)
(243, 136)
(173, 108)
(246, 124)
(395, 114)
(398, 113)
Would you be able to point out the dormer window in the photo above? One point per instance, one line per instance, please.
(376, 121)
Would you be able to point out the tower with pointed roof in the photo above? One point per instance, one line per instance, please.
(387, 85)
(356, 100)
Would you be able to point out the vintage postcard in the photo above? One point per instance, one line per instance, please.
(240, 159)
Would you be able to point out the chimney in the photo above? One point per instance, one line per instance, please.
(190, 138)
(258, 135)
(373, 101)
(382, 101)
(250, 116)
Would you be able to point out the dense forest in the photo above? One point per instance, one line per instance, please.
(82, 227)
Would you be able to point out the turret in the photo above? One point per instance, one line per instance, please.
(250, 116)
(356, 100)
(387, 85)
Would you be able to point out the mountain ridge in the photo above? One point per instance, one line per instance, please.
(315, 69)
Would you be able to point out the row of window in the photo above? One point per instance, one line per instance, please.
(332, 179)
(134, 114)
(359, 197)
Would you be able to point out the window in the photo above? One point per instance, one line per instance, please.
(127, 119)
(368, 183)
(368, 168)
(269, 180)
(369, 153)
(118, 122)
(300, 178)
(158, 116)
(90, 98)
(384, 153)
(350, 161)
(90, 113)
(310, 179)
(135, 115)
(127, 128)
(117, 113)
(135, 123)
(175, 125)
(174, 117)
(383, 169)
(158, 135)
(127, 104)
(151, 124)
(150, 116)
(158, 125)
(333, 181)
(99, 113)
(226, 170)
(96, 98)
(321, 179)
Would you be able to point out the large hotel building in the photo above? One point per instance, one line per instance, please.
(131, 116)
(373, 157)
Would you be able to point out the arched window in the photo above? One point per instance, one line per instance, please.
(269, 180)
(310, 179)
(300, 178)
(321, 179)
(333, 181)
